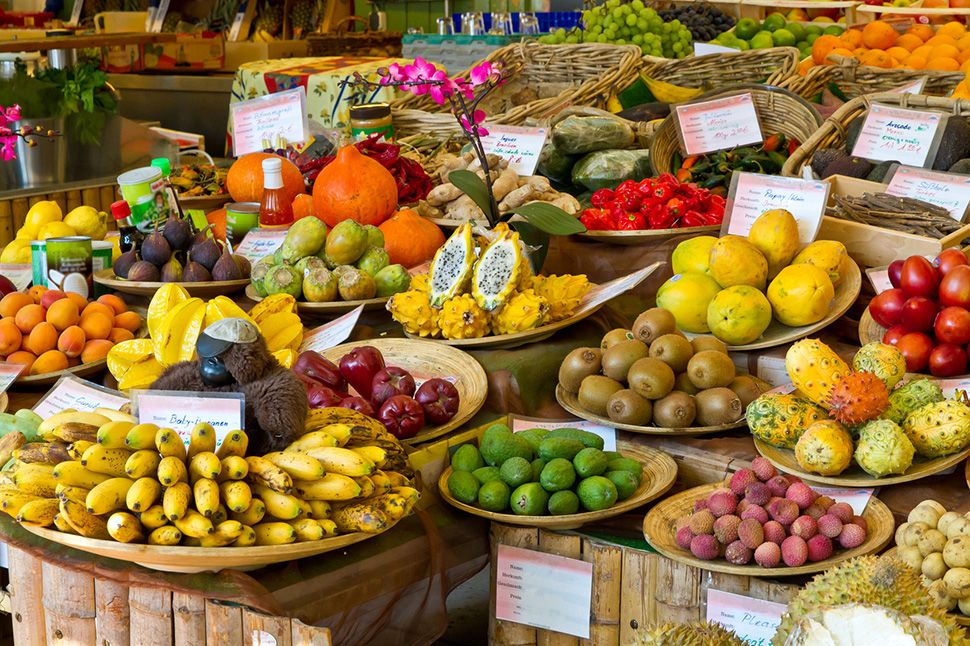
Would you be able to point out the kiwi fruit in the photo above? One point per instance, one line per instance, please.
(579, 364)
(711, 369)
(707, 342)
(747, 389)
(676, 410)
(619, 357)
(650, 378)
(613, 337)
(672, 349)
(683, 383)
(653, 324)
(627, 407)
(716, 406)
(595, 391)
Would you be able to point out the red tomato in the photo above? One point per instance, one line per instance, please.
(916, 348)
(948, 259)
(894, 334)
(895, 271)
(947, 360)
(887, 308)
(919, 277)
(955, 286)
(952, 326)
(918, 314)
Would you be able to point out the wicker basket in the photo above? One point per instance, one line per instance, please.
(779, 111)
(595, 70)
(855, 80)
(771, 66)
(831, 134)
(363, 43)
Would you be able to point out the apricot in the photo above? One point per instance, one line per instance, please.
(100, 308)
(95, 350)
(50, 361)
(114, 302)
(62, 314)
(10, 336)
(78, 300)
(96, 325)
(128, 320)
(41, 339)
(12, 302)
(50, 297)
(119, 334)
(23, 357)
(36, 292)
(29, 317)
(71, 341)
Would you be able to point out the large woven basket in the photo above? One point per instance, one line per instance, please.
(594, 70)
(832, 132)
(780, 112)
(855, 80)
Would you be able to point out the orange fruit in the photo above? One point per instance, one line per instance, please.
(23, 357)
(71, 342)
(119, 334)
(822, 47)
(859, 52)
(79, 300)
(944, 51)
(63, 314)
(876, 58)
(923, 32)
(100, 308)
(963, 42)
(914, 62)
(963, 56)
(114, 302)
(95, 350)
(851, 38)
(842, 51)
(909, 41)
(50, 361)
(128, 320)
(923, 50)
(952, 29)
(36, 292)
(12, 302)
(941, 40)
(410, 239)
(898, 53)
(96, 325)
(42, 338)
(805, 65)
(944, 64)
(964, 66)
(879, 35)
(10, 336)
(28, 317)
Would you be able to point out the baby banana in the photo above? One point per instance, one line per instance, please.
(194, 524)
(36, 482)
(112, 435)
(252, 514)
(206, 494)
(108, 496)
(62, 525)
(142, 463)
(75, 474)
(300, 466)
(359, 517)
(279, 505)
(125, 528)
(235, 443)
(172, 470)
(165, 535)
(319, 509)
(72, 417)
(77, 494)
(233, 467)
(343, 461)
(382, 484)
(262, 471)
(307, 529)
(332, 486)
(328, 526)
(143, 494)
(12, 500)
(141, 437)
(74, 431)
(274, 533)
(153, 517)
(169, 444)
(77, 449)
(204, 465)
(39, 512)
(107, 461)
(246, 538)
(224, 533)
(42, 452)
(375, 454)
(203, 439)
(236, 494)
(175, 500)
(313, 440)
(84, 523)
(116, 415)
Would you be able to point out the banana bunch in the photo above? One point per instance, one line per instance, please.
(175, 321)
(103, 475)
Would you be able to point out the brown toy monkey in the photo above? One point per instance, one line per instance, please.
(233, 358)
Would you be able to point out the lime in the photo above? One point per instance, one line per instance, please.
(762, 40)
(797, 30)
(746, 28)
(774, 21)
(783, 38)
(811, 38)
(494, 496)
(813, 29)
(833, 30)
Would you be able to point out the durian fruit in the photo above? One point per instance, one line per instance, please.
(461, 318)
(910, 396)
(496, 272)
(523, 311)
(692, 634)
(883, 449)
(452, 266)
(884, 581)
(858, 624)
(413, 311)
(564, 293)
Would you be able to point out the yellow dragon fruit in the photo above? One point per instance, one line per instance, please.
(452, 266)
(564, 293)
(815, 369)
(523, 311)
(496, 272)
(413, 310)
(461, 318)
(419, 283)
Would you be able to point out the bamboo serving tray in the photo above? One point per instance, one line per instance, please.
(570, 402)
(426, 359)
(854, 476)
(207, 289)
(659, 530)
(332, 307)
(647, 235)
(659, 473)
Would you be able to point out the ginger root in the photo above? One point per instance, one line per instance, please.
(464, 208)
(441, 195)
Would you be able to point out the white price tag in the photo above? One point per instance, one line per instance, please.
(753, 620)
(263, 122)
(857, 498)
(752, 194)
(602, 293)
(703, 49)
(519, 146)
(333, 333)
(71, 392)
(8, 374)
(181, 411)
(946, 190)
(259, 243)
(898, 134)
(718, 124)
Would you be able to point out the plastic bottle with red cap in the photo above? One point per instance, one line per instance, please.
(130, 236)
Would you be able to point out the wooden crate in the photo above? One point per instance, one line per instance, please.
(631, 589)
(13, 210)
(55, 605)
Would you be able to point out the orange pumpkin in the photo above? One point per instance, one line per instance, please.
(218, 221)
(410, 239)
(303, 206)
(245, 178)
(354, 187)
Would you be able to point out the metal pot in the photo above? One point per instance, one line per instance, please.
(39, 165)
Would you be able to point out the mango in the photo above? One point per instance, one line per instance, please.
(775, 234)
(739, 315)
(828, 255)
(735, 261)
(801, 295)
(693, 255)
(687, 296)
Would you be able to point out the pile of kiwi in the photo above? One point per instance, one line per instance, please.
(652, 375)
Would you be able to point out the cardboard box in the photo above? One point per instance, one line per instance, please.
(189, 52)
(238, 53)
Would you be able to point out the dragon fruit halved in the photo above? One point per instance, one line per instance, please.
(452, 266)
(497, 271)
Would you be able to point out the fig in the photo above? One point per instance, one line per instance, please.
(226, 268)
(195, 273)
(124, 262)
(177, 232)
(143, 272)
(155, 248)
(206, 253)
(171, 271)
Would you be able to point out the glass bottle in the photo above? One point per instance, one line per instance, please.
(129, 236)
(275, 209)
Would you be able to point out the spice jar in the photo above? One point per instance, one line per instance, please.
(366, 120)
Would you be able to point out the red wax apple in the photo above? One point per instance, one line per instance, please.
(359, 366)
(389, 382)
(955, 286)
(320, 396)
(952, 326)
(916, 348)
(894, 334)
(887, 308)
(948, 259)
(439, 398)
(918, 314)
(314, 366)
(895, 272)
(402, 416)
(948, 360)
(358, 404)
(6, 286)
(919, 277)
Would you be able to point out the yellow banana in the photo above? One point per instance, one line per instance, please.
(62, 525)
(12, 500)
(42, 452)
(71, 417)
(410, 494)
(328, 526)
(74, 431)
(246, 538)
(112, 435)
(319, 418)
(175, 500)
(397, 479)
(153, 517)
(203, 439)
(382, 484)
(375, 454)
(336, 459)
(77, 449)
(141, 437)
(319, 509)
(233, 467)
(75, 474)
(274, 533)
(312, 440)
(359, 517)
(206, 494)
(236, 494)
(194, 524)
(116, 415)
(367, 487)
(307, 529)
(300, 466)
(39, 512)
(165, 535)
(169, 444)
(108, 496)
(234, 443)
(253, 514)
(179, 331)
(393, 505)
(172, 470)
(142, 463)
(332, 486)
(339, 431)
(220, 515)
(107, 461)
(77, 494)
(35, 482)
(204, 465)
(125, 528)
(143, 494)
(84, 523)
(262, 471)
(279, 505)
(668, 92)
(224, 533)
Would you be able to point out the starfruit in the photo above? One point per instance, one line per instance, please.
(282, 330)
(128, 353)
(286, 358)
(221, 307)
(179, 332)
(275, 304)
(141, 375)
(166, 298)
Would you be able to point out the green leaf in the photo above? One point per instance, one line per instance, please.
(550, 219)
(474, 187)
(534, 237)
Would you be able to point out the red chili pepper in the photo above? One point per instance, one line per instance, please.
(771, 143)
(792, 146)
(689, 162)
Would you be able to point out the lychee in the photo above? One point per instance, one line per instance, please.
(737, 553)
(804, 527)
(794, 551)
(842, 511)
(757, 493)
(741, 479)
(801, 494)
(682, 521)
(767, 555)
(684, 537)
(722, 503)
(700, 504)
(829, 525)
(784, 511)
(814, 511)
(852, 536)
(702, 522)
(861, 522)
(819, 548)
(763, 469)
(774, 532)
(779, 485)
(750, 533)
(756, 512)
(705, 547)
(726, 529)
(824, 502)
(742, 505)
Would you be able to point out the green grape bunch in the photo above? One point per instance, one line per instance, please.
(627, 23)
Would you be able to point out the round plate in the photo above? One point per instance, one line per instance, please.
(424, 360)
(658, 529)
(333, 307)
(869, 330)
(570, 402)
(4, 402)
(778, 334)
(647, 235)
(854, 476)
(659, 473)
(207, 289)
(198, 559)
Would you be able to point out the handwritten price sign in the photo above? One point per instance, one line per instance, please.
(718, 125)
(519, 146)
(752, 194)
(906, 136)
(259, 243)
(280, 116)
(946, 190)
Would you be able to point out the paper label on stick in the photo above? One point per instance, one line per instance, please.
(772, 370)
(719, 124)
(753, 620)
(9, 373)
(269, 121)
(259, 243)
(608, 433)
(20, 275)
(898, 134)
(333, 333)
(946, 190)
(519, 146)
(752, 194)
(951, 386)
(543, 590)
(71, 392)
(602, 293)
(857, 498)
(236, 26)
(181, 411)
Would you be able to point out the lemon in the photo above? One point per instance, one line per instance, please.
(55, 230)
(87, 221)
(40, 214)
(115, 246)
(15, 251)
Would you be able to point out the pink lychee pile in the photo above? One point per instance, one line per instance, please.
(771, 518)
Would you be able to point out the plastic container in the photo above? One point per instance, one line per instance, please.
(100, 259)
(143, 189)
(241, 217)
(38, 257)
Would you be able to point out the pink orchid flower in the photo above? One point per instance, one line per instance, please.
(472, 126)
(481, 73)
(10, 114)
